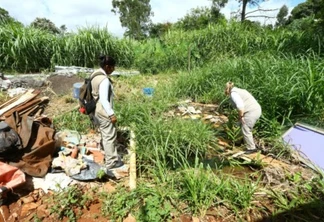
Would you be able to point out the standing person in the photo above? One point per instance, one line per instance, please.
(102, 91)
(249, 111)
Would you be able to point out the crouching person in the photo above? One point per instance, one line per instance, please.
(249, 111)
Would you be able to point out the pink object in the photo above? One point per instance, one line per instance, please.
(10, 176)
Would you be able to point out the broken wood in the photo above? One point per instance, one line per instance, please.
(27, 106)
(29, 95)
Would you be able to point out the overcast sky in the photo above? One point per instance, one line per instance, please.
(84, 13)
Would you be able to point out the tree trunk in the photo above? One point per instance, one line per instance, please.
(243, 10)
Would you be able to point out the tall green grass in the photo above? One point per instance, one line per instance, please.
(82, 48)
(287, 88)
(179, 50)
(29, 49)
(26, 49)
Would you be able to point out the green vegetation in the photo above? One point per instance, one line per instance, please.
(282, 68)
(134, 15)
(65, 202)
(29, 49)
(73, 120)
(146, 203)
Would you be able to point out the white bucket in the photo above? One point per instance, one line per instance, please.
(76, 89)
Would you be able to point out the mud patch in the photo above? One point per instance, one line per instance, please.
(63, 85)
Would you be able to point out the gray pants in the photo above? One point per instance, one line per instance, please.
(250, 119)
(109, 138)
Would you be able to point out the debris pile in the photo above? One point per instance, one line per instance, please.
(31, 149)
(198, 111)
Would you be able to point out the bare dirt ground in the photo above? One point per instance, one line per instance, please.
(63, 85)
(60, 91)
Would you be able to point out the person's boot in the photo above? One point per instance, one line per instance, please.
(251, 151)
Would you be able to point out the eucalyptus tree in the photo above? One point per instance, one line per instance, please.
(134, 15)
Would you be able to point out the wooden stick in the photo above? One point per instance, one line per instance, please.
(132, 162)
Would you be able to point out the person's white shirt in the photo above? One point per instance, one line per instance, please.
(103, 95)
(237, 100)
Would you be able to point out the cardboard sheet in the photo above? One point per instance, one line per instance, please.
(308, 141)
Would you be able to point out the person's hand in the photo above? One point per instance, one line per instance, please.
(113, 119)
(241, 119)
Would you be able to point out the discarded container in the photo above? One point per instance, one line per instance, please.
(76, 89)
(148, 91)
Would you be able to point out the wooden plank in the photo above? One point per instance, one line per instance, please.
(26, 97)
(27, 106)
(132, 162)
(8, 102)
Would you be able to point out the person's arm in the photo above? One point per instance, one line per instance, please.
(103, 97)
(238, 103)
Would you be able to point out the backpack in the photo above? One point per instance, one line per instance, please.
(86, 100)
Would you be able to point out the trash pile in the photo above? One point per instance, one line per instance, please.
(26, 139)
(31, 147)
(198, 111)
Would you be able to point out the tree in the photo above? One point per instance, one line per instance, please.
(242, 11)
(157, 30)
(320, 16)
(6, 18)
(307, 16)
(134, 15)
(63, 29)
(282, 16)
(4, 15)
(199, 18)
(217, 5)
(306, 9)
(46, 25)
(245, 15)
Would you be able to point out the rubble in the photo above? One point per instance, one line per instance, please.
(41, 149)
(74, 70)
(4, 82)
